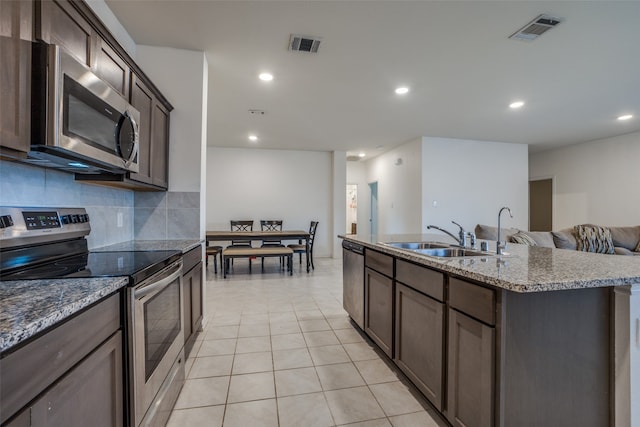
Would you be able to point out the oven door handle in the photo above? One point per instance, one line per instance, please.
(156, 286)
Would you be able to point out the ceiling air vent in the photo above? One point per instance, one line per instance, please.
(536, 28)
(304, 43)
(353, 158)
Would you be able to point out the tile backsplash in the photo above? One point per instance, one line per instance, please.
(170, 215)
(117, 215)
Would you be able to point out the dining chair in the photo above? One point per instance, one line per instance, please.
(214, 251)
(241, 225)
(301, 248)
(271, 225)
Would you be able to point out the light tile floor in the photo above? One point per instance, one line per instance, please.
(280, 351)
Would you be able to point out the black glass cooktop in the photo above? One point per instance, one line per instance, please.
(136, 265)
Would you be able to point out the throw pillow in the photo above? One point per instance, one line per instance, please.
(637, 249)
(565, 239)
(523, 239)
(593, 238)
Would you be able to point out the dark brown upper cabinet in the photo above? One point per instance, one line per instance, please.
(112, 68)
(154, 136)
(16, 34)
(73, 25)
(59, 22)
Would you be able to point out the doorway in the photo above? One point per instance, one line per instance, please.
(373, 219)
(352, 209)
(541, 205)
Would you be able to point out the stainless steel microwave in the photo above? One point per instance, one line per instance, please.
(79, 122)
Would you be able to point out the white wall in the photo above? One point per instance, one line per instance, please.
(339, 204)
(398, 174)
(471, 181)
(295, 186)
(595, 182)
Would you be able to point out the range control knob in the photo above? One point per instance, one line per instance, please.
(6, 221)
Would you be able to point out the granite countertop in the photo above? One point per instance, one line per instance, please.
(152, 245)
(28, 307)
(523, 268)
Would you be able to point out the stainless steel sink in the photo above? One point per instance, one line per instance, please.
(414, 246)
(450, 252)
(437, 249)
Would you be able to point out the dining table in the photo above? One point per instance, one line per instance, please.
(228, 235)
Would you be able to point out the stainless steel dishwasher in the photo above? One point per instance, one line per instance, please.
(353, 281)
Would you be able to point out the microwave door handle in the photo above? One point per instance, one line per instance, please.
(136, 139)
(155, 287)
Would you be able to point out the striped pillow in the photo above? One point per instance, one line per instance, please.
(637, 249)
(592, 238)
(523, 239)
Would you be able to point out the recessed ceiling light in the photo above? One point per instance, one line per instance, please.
(402, 90)
(266, 77)
(361, 155)
(516, 104)
(625, 117)
(253, 138)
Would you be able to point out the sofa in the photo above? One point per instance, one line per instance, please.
(585, 237)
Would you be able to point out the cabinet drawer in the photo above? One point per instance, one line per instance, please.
(191, 259)
(425, 280)
(378, 261)
(472, 299)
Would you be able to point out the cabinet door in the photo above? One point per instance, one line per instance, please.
(186, 307)
(89, 395)
(154, 136)
(112, 69)
(62, 24)
(142, 99)
(470, 397)
(15, 57)
(196, 298)
(22, 420)
(419, 345)
(378, 323)
(192, 305)
(160, 146)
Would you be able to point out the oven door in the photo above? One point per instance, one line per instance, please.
(156, 337)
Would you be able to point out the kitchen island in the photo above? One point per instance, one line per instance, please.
(536, 337)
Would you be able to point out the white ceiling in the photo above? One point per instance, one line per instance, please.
(456, 57)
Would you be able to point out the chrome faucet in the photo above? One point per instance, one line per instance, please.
(462, 235)
(501, 245)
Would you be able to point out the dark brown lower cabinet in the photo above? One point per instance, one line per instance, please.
(69, 376)
(419, 341)
(192, 297)
(471, 372)
(91, 394)
(196, 297)
(378, 319)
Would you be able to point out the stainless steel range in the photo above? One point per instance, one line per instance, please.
(48, 243)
